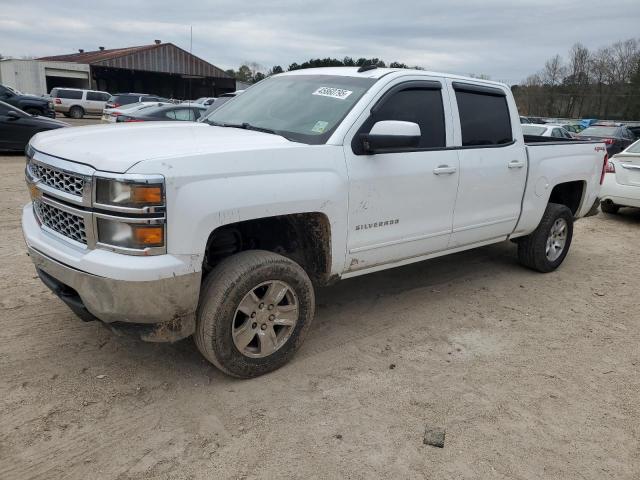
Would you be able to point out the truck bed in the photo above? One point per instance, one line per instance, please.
(554, 161)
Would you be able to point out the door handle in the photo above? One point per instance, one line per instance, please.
(444, 170)
(516, 164)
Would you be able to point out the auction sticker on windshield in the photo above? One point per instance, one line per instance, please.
(333, 92)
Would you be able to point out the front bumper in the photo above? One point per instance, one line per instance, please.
(111, 300)
(120, 289)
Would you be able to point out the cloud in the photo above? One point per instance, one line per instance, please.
(505, 39)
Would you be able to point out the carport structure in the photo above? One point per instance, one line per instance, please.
(160, 68)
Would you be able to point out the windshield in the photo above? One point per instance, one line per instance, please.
(301, 108)
(600, 132)
(530, 130)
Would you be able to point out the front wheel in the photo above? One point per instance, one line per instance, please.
(254, 312)
(546, 248)
(33, 111)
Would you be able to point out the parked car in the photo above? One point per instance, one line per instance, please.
(28, 103)
(222, 229)
(188, 113)
(76, 103)
(537, 120)
(110, 115)
(546, 130)
(635, 129)
(621, 187)
(616, 138)
(573, 128)
(206, 101)
(221, 100)
(17, 127)
(120, 99)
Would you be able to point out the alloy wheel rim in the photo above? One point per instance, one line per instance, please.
(265, 319)
(557, 239)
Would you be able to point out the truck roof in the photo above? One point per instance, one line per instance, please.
(381, 72)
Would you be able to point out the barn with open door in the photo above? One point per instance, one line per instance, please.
(162, 69)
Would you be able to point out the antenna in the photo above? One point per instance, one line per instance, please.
(190, 53)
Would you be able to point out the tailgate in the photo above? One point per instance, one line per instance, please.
(627, 169)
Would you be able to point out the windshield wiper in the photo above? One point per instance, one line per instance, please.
(248, 126)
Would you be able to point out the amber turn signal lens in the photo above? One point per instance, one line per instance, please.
(146, 194)
(150, 236)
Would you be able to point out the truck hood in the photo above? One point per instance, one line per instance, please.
(32, 98)
(116, 148)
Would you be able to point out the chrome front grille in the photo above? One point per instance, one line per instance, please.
(64, 223)
(58, 179)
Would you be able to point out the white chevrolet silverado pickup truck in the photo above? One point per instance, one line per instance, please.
(222, 229)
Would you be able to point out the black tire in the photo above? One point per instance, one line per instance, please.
(33, 111)
(76, 112)
(223, 290)
(609, 207)
(532, 248)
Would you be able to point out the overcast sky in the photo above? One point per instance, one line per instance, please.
(505, 39)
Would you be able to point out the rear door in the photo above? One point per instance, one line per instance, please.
(493, 165)
(401, 202)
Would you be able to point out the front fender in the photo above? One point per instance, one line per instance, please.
(206, 193)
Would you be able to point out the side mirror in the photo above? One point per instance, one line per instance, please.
(13, 115)
(391, 135)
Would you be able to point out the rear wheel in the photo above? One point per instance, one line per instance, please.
(255, 310)
(76, 112)
(546, 248)
(609, 207)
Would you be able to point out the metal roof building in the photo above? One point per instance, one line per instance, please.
(160, 68)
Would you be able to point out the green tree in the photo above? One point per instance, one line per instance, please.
(244, 74)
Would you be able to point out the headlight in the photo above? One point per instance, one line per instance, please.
(139, 236)
(130, 213)
(132, 194)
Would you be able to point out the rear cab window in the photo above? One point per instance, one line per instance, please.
(485, 119)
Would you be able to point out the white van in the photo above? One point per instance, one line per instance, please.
(76, 103)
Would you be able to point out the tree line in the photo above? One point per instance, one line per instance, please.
(604, 84)
(252, 72)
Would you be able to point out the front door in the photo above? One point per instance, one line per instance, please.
(401, 203)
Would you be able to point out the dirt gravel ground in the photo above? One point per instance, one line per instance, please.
(533, 376)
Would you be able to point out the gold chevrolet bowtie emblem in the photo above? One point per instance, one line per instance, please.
(34, 191)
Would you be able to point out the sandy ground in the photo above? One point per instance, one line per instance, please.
(532, 376)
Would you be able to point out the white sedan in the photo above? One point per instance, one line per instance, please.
(546, 130)
(621, 186)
